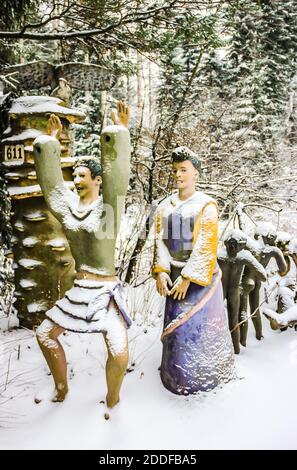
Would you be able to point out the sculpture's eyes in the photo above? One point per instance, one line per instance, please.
(37, 148)
(107, 138)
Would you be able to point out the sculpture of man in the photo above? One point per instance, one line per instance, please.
(232, 261)
(197, 349)
(264, 249)
(95, 302)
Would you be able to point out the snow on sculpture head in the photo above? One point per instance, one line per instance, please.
(283, 239)
(235, 241)
(46, 143)
(186, 166)
(267, 232)
(181, 154)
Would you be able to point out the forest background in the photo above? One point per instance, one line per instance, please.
(217, 76)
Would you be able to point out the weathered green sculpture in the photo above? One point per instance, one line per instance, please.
(232, 260)
(91, 224)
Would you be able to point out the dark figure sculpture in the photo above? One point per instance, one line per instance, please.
(281, 321)
(286, 295)
(284, 300)
(288, 247)
(232, 261)
(264, 249)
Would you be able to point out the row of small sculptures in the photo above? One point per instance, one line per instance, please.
(243, 261)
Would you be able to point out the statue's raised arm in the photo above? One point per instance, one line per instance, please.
(115, 161)
(48, 168)
(123, 115)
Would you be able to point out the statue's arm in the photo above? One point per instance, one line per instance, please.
(115, 162)
(253, 264)
(161, 262)
(280, 260)
(200, 266)
(48, 170)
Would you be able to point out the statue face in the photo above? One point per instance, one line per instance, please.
(84, 182)
(233, 246)
(185, 174)
(269, 239)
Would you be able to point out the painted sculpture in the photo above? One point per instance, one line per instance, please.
(232, 260)
(197, 348)
(91, 224)
(264, 250)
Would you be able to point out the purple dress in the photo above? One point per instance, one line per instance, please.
(197, 348)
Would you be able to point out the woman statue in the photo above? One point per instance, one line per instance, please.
(197, 348)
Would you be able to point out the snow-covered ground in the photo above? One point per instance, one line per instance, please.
(257, 411)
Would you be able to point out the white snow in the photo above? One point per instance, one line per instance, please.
(247, 255)
(293, 246)
(283, 236)
(27, 283)
(285, 318)
(33, 190)
(265, 229)
(29, 242)
(57, 243)
(24, 190)
(36, 307)
(13, 176)
(28, 263)
(236, 234)
(35, 216)
(19, 226)
(25, 135)
(113, 129)
(255, 246)
(7, 322)
(257, 411)
(44, 104)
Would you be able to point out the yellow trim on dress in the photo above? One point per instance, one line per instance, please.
(159, 269)
(211, 247)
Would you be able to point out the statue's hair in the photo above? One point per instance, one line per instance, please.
(181, 154)
(235, 234)
(89, 162)
(265, 229)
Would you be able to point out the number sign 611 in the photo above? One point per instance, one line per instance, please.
(14, 153)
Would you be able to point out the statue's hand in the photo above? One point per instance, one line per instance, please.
(54, 126)
(123, 114)
(163, 281)
(180, 287)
